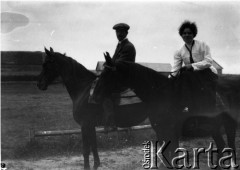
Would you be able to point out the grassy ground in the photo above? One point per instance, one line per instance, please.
(24, 107)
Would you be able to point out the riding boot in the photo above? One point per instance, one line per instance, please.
(186, 91)
(109, 124)
(186, 103)
(186, 98)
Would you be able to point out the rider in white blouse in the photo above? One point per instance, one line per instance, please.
(201, 56)
(193, 66)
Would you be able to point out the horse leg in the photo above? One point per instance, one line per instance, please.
(166, 134)
(164, 126)
(219, 143)
(86, 147)
(230, 127)
(94, 148)
(90, 141)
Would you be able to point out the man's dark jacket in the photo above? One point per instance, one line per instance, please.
(124, 52)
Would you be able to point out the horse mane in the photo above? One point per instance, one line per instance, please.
(77, 69)
(229, 80)
(229, 85)
(148, 82)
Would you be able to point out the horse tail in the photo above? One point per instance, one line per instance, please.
(230, 126)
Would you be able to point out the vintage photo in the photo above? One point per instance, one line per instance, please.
(120, 85)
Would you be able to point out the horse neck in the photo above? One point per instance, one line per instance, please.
(147, 83)
(76, 78)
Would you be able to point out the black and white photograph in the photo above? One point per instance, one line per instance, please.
(120, 85)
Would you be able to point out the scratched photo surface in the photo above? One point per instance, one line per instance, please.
(38, 130)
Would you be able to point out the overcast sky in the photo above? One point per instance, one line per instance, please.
(84, 29)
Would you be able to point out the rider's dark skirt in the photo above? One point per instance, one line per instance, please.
(198, 89)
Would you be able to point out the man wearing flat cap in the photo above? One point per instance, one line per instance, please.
(125, 51)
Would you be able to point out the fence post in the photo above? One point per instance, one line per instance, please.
(31, 134)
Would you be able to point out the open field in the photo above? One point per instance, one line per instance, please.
(24, 107)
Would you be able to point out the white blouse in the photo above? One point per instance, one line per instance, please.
(201, 56)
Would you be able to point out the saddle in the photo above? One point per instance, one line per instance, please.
(125, 97)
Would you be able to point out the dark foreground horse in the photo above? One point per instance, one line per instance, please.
(78, 81)
(156, 89)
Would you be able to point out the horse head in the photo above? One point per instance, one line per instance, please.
(109, 79)
(49, 71)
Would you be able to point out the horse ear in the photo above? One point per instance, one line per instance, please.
(51, 50)
(47, 51)
(49, 54)
(108, 59)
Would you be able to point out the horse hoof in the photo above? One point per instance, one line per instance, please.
(96, 165)
(86, 168)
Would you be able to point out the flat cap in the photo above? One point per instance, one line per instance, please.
(122, 26)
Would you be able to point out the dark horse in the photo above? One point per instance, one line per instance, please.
(78, 81)
(156, 91)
